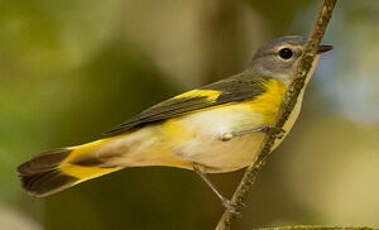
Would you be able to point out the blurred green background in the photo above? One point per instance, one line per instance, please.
(70, 70)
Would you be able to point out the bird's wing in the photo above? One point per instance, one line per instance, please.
(238, 88)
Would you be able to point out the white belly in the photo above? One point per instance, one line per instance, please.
(206, 148)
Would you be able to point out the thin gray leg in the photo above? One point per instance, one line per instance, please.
(203, 175)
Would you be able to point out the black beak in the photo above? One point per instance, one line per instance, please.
(324, 49)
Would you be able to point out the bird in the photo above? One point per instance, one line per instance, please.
(216, 128)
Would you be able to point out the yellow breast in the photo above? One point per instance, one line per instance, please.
(268, 103)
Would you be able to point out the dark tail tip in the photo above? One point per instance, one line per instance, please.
(46, 183)
(41, 176)
(43, 162)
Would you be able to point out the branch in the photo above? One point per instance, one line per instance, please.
(287, 105)
(310, 227)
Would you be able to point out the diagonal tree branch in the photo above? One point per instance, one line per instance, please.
(285, 110)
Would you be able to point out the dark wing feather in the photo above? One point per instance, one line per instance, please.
(162, 111)
(238, 88)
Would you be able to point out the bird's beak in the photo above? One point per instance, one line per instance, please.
(324, 49)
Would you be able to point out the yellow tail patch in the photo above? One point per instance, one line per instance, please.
(83, 172)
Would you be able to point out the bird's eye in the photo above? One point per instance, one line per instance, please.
(285, 53)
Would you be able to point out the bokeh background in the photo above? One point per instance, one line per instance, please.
(70, 70)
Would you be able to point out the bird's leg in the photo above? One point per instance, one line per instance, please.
(265, 129)
(200, 170)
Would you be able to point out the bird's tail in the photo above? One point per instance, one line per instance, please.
(56, 170)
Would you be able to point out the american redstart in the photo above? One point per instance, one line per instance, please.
(216, 128)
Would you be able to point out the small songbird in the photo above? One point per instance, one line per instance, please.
(216, 128)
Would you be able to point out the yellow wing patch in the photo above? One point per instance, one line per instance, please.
(211, 95)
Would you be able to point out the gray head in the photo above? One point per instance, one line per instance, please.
(279, 57)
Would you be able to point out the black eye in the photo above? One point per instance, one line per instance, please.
(285, 53)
